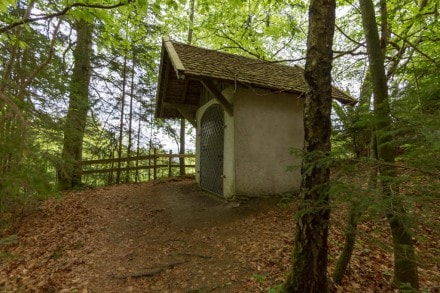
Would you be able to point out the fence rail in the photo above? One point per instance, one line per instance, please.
(155, 164)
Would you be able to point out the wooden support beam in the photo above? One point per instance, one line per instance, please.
(165, 85)
(221, 99)
(187, 111)
(185, 91)
(175, 60)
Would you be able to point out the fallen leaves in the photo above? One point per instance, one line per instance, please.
(171, 237)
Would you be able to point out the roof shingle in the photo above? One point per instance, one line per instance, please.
(199, 63)
(249, 71)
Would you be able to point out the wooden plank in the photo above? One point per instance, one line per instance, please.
(170, 161)
(176, 156)
(210, 87)
(85, 172)
(165, 87)
(107, 161)
(154, 165)
(160, 162)
(177, 64)
(138, 158)
(185, 91)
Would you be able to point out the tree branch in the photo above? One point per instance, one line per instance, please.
(350, 38)
(415, 48)
(57, 14)
(238, 46)
(42, 65)
(351, 52)
(13, 106)
(150, 273)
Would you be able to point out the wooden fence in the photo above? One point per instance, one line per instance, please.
(157, 165)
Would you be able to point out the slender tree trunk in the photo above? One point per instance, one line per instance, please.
(182, 121)
(138, 143)
(309, 260)
(70, 172)
(405, 266)
(363, 147)
(354, 215)
(362, 134)
(130, 119)
(357, 208)
(121, 121)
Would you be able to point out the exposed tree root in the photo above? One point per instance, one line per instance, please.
(151, 272)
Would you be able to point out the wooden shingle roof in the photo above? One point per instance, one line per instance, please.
(183, 66)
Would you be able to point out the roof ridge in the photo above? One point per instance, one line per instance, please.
(199, 62)
(275, 62)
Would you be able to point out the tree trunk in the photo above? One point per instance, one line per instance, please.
(309, 260)
(405, 266)
(363, 146)
(354, 215)
(121, 121)
(70, 171)
(362, 133)
(130, 119)
(14, 81)
(182, 147)
(182, 121)
(138, 143)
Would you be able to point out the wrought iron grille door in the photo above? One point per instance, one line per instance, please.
(211, 150)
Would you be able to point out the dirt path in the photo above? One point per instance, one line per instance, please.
(163, 237)
(170, 238)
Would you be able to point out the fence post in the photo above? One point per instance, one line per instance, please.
(154, 164)
(149, 164)
(170, 161)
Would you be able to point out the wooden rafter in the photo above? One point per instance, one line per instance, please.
(175, 60)
(187, 111)
(165, 84)
(221, 99)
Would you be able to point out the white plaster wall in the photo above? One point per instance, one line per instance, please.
(267, 125)
(229, 151)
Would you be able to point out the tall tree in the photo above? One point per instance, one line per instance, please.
(130, 114)
(182, 121)
(70, 170)
(26, 73)
(14, 74)
(309, 260)
(121, 119)
(405, 267)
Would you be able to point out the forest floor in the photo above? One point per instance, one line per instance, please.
(170, 236)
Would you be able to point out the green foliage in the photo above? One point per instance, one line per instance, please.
(259, 278)
(6, 4)
(265, 29)
(11, 239)
(276, 289)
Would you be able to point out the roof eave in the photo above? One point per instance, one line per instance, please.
(174, 57)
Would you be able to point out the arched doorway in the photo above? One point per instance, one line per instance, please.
(211, 149)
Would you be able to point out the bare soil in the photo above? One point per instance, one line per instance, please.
(170, 236)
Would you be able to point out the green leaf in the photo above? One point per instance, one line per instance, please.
(3, 7)
(235, 3)
(27, 27)
(142, 4)
(22, 44)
